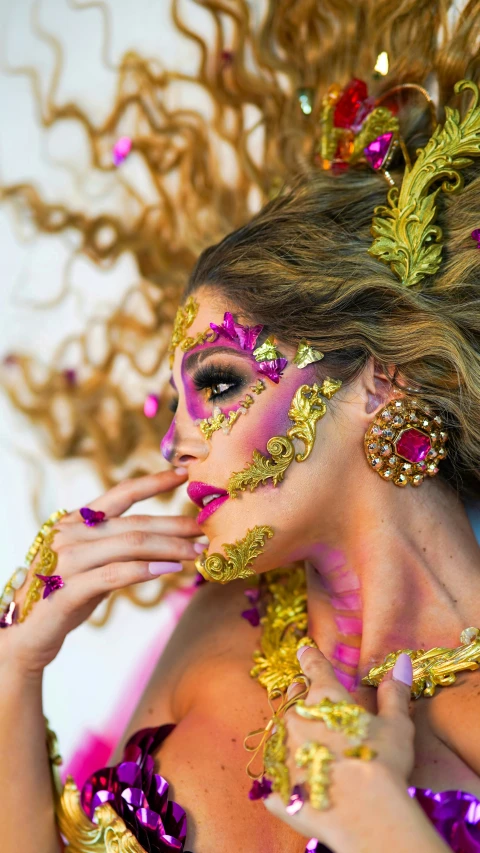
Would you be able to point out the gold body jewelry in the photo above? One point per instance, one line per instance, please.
(433, 668)
(183, 320)
(406, 237)
(267, 351)
(307, 407)
(405, 442)
(46, 566)
(306, 354)
(316, 760)
(350, 719)
(240, 556)
(42, 533)
(208, 336)
(275, 760)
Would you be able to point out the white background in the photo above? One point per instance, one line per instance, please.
(89, 683)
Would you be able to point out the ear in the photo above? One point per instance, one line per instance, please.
(378, 389)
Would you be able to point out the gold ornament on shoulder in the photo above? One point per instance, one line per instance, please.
(433, 668)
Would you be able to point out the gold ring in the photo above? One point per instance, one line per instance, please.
(44, 530)
(316, 759)
(352, 720)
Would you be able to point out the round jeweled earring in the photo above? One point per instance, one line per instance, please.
(405, 442)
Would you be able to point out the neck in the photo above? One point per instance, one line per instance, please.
(403, 577)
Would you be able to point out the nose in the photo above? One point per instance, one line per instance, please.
(183, 444)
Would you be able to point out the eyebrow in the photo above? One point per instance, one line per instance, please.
(191, 361)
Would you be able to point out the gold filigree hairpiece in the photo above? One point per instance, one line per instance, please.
(406, 237)
(183, 320)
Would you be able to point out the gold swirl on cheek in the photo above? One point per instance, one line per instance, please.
(306, 408)
(240, 556)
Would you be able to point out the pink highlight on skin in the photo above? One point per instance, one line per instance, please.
(348, 681)
(348, 624)
(347, 602)
(167, 442)
(347, 654)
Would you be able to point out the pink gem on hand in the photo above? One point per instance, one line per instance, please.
(92, 517)
(52, 583)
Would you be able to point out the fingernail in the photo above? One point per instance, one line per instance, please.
(403, 670)
(198, 547)
(164, 568)
(302, 651)
(204, 539)
(181, 471)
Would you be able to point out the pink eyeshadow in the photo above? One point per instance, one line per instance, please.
(166, 444)
(348, 625)
(347, 654)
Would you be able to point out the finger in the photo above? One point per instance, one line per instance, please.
(132, 545)
(125, 494)
(394, 691)
(321, 675)
(164, 525)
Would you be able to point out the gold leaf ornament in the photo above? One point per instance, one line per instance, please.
(306, 354)
(406, 236)
(183, 320)
(267, 351)
(307, 407)
(238, 560)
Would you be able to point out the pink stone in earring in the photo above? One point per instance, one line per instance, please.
(413, 445)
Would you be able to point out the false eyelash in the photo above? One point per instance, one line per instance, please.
(209, 375)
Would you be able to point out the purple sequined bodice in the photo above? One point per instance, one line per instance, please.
(140, 797)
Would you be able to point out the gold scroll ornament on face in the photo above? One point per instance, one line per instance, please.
(183, 320)
(307, 407)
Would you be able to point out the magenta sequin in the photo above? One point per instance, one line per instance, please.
(245, 335)
(260, 790)
(273, 369)
(121, 150)
(52, 583)
(296, 801)
(150, 406)
(413, 445)
(92, 517)
(139, 795)
(252, 615)
(476, 236)
(376, 152)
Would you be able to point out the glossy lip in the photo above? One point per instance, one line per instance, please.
(197, 491)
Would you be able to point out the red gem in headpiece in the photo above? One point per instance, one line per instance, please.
(413, 445)
(349, 103)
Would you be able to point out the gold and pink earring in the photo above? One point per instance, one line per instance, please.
(405, 442)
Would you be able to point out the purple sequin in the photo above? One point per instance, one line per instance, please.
(139, 795)
(476, 236)
(273, 369)
(91, 517)
(252, 615)
(260, 790)
(52, 583)
(245, 335)
(296, 801)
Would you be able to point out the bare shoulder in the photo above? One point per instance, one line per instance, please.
(454, 712)
(211, 647)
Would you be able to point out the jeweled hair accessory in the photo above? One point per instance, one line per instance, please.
(406, 237)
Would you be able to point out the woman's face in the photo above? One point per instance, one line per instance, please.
(220, 375)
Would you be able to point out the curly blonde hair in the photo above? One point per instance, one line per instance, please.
(303, 259)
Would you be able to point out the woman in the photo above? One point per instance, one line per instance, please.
(306, 375)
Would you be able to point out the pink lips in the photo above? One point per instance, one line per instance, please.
(197, 492)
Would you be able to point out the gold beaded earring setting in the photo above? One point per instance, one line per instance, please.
(405, 442)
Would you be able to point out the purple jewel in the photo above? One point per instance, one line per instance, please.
(376, 152)
(260, 790)
(9, 616)
(171, 843)
(252, 615)
(311, 846)
(476, 236)
(52, 583)
(100, 798)
(135, 798)
(91, 517)
(273, 369)
(296, 801)
(245, 335)
(199, 580)
(129, 773)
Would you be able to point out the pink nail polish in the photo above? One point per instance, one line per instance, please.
(302, 651)
(403, 670)
(164, 568)
(198, 547)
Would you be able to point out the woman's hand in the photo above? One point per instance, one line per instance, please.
(360, 791)
(94, 561)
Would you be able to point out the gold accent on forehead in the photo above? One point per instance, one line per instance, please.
(208, 336)
(183, 320)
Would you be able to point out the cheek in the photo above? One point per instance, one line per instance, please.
(166, 445)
